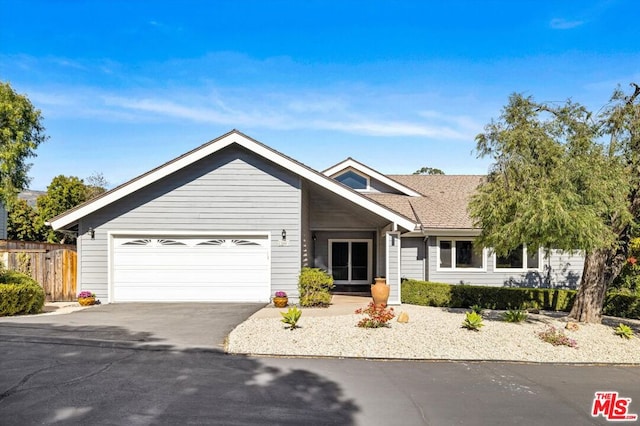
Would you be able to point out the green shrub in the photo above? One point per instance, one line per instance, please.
(622, 305)
(628, 281)
(512, 298)
(477, 309)
(472, 321)
(426, 293)
(19, 294)
(514, 315)
(462, 296)
(314, 285)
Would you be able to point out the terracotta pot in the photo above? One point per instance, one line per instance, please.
(280, 302)
(380, 292)
(86, 301)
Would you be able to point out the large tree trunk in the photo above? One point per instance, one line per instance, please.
(601, 267)
(587, 306)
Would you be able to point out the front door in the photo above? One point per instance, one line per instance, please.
(350, 261)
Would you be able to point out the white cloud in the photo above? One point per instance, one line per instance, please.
(343, 106)
(292, 115)
(391, 128)
(563, 24)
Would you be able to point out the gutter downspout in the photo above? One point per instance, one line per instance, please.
(425, 259)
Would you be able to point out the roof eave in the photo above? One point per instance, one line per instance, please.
(444, 231)
(234, 137)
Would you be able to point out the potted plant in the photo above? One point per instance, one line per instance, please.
(280, 300)
(86, 298)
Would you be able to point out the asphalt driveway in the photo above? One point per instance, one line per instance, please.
(143, 364)
(149, 325)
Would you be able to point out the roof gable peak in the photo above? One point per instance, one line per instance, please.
(352, 164)
(233, 137)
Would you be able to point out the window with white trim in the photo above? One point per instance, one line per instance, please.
(459, 254)
(516, 259)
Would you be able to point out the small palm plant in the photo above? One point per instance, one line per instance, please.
(473, 321)
(291, 317)
(514, 315)
(624, 331)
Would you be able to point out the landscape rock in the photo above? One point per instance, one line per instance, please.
(403, 318)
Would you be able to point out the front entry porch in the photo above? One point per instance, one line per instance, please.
(352, 243)
(352, 290)
(355, 258)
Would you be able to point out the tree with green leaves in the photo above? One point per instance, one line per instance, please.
(64, 193)
(563, 179)
(24, 223)
(21, 131)
(428, 171)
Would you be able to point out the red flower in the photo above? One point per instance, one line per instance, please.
(632, 260)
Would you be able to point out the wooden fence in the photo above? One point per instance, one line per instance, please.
(53, 266)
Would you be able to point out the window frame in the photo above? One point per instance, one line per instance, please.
(350, 281)
(525, 262)
(356, 172)
(454, 267)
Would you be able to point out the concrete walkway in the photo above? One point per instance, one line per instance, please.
(340, 305)
(57, 308)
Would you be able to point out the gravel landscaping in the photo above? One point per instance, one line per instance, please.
(436, 333)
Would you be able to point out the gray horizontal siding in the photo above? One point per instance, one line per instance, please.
(232, 191)
(412, 258)
(558, 270)
(330, 212)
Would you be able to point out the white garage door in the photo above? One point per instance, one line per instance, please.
(186, 269)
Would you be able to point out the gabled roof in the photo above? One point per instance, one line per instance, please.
(350, 163)
(71, 217)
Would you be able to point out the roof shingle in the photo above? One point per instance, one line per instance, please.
(443, 204)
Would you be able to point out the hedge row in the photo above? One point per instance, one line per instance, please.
(622, 305)
(424, 293)
(464, 296)
(19, 294)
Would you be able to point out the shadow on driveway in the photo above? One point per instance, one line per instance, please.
(152, 364)
(180, 325)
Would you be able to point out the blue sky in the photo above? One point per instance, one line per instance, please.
(126, 85)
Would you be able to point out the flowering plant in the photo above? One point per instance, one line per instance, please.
(556, 337)
(376, 316)
(84, 294)
(281, 294)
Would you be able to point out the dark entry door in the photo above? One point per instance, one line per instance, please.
(351, 261)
